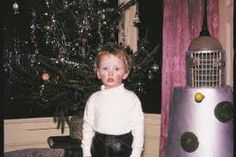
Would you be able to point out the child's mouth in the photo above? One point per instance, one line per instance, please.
(110, 80)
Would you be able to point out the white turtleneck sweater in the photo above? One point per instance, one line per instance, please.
(114, 111)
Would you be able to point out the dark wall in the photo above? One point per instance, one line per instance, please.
(151, 12)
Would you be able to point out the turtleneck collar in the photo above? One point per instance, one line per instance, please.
(104, 89)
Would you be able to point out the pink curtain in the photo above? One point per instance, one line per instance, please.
(182, 23)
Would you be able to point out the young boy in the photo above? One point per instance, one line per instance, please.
(113, 117)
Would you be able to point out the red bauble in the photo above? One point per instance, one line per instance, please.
(45, 76)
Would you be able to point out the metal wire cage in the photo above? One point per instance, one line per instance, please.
(205, 63)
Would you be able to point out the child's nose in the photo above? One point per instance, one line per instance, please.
(110, 72)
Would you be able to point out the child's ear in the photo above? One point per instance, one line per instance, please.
(125, 75)
(98, 74)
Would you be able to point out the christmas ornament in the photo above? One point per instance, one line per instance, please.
(15, 8)
(155, 67)
(140, 88)
(41, 90)
(65, 5)
(150, 75)
(105, 1)
(45, 76)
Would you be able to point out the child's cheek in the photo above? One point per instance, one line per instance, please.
(103, 73)
(120, 77)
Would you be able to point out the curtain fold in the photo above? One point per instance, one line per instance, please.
(182, 22)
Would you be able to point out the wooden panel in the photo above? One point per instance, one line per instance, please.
(33, 133)
(152, 135)
(29, 133)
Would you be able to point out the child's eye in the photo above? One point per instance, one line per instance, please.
(104, 68)
(117, 69)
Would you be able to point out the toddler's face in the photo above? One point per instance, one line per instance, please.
(111, 70)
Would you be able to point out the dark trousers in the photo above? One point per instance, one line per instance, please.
(111, 145)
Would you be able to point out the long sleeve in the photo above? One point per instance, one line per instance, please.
(88, 131)
(137, 130)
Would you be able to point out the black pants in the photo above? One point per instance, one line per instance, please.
(111, 145)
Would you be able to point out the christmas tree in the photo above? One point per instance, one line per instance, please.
(48, 60)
